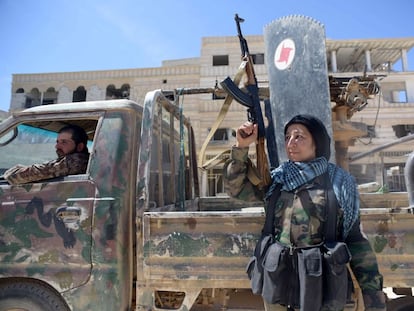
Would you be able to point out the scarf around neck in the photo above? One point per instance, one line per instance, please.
(295, 174)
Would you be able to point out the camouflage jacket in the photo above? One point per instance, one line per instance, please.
(301, 226)
(75, 163)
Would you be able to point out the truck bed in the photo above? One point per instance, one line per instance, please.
(212, 249)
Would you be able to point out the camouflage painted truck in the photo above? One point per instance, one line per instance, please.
(132, 232)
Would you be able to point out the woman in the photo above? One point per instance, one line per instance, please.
(298, 222)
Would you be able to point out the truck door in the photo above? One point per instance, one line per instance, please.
(45, 226)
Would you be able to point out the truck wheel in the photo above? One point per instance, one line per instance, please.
(401, 304)
(29, 295)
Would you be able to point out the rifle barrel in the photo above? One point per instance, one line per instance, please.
(201, 90)
(243, 43)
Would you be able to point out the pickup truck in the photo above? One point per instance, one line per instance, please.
(133, 233)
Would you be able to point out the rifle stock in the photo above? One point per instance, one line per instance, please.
(262, 163)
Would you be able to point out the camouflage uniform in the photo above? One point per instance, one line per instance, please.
(74, 163)
(301, 225)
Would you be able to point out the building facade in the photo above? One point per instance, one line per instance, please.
(388, 115)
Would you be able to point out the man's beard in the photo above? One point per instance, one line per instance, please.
(61, 154)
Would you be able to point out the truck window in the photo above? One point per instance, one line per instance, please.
(34, 143)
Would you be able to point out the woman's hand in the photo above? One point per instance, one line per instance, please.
(246, 134)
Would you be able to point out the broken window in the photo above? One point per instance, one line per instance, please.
(220, 60)
(221, 134)
(50, 96)
(258, 59)
(79, 95)
(122, 93)
(402, 130)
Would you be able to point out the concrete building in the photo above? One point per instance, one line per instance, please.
(387, 116)
(3, 115)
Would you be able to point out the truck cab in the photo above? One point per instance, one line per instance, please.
(73, 237)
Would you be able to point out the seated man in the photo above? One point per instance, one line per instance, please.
(73, 155)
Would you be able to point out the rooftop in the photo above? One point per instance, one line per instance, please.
(350, 54)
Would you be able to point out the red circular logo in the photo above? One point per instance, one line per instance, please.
(285, 53)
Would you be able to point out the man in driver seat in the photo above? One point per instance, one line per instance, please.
(73, 155)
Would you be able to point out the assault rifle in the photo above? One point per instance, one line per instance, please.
(251, 100)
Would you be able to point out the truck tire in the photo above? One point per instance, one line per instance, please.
(29, 295)
(401, 304)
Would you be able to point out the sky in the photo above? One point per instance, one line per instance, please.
(45, 36)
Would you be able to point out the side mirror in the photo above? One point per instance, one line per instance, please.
(8, 137)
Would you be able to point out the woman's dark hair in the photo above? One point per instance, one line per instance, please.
(318, 131)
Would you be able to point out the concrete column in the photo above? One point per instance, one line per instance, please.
(204, 183)
(334, 67)
(404, 60)
(409, 87)
(368, 61)
(95, 93)
(17, 102)
(64, 95)
(389, 66)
